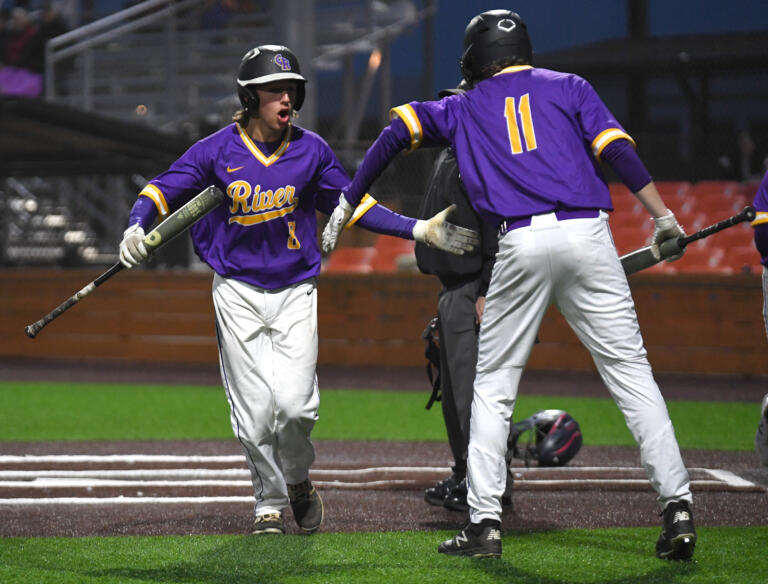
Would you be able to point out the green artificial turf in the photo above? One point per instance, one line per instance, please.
(34, 411)
(724, 555)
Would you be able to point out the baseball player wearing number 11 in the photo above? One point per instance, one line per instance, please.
(528, 143)
(262, 246)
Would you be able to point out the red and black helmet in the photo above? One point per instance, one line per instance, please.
(555, 438)
(264, 64)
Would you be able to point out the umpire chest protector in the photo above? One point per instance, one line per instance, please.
(445, 188)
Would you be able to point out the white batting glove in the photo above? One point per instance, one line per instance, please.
(132, 249)
(437, 232)
(336, 223)
(666, 227)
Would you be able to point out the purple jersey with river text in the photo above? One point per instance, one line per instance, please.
(547, 128)
(265, 233)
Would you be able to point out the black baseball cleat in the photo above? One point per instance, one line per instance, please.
(678, 536)
(475, 540)
(307, 506)
(436, 495)
(456, 500)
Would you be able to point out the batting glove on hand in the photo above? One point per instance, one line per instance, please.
(132, 249)
(666, 227)
(336, 223)
(437, 232)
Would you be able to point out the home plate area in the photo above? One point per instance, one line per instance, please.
(156, 478)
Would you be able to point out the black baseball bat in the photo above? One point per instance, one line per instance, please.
(175, 224)
(643, 258)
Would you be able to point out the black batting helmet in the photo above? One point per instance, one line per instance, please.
(265, 64)
(554, 440)
(460, 88)
(492, 36)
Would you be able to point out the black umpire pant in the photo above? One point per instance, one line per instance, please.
(458, 356)
(458, 334)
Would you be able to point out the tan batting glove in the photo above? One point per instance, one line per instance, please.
(336, 223)
(666, 227)
(437, 232)
(132, 249)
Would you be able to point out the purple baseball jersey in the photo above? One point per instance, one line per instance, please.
(760, 223)
(266, 231)
(527, 140)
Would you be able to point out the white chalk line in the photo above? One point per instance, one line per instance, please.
(88, 479)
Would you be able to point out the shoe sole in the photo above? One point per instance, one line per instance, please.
(682, 547)
(268, 531)
(471, 554)
(436, 502)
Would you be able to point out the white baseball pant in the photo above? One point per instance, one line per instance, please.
(268, 356)
(573, 264)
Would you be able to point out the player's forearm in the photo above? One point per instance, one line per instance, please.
(382, 220)
(143, 212)
(621, 156)
(390, 142)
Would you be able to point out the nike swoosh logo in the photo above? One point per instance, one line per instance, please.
(233, 169)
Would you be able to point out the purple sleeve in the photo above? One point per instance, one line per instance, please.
(621, 156)
(382, 220)
(143, 212)
(390, 142)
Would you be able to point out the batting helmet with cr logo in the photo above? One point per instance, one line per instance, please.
(555, 438)
(264, 64)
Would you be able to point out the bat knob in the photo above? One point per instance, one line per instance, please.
(31, 333)
(749, 213)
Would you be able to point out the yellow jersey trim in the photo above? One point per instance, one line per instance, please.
(365, 205)
(513, 69)
(262, 217)
(411, 120)
(761, 218)
(258, 154)
(158, 199)
(606, 137)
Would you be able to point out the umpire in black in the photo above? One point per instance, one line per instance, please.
(464, 282)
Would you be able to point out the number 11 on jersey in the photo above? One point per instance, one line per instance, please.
(526, 124)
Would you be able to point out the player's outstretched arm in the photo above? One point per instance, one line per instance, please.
(437, 232)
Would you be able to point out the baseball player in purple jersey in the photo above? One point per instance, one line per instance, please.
(262, 246)
(528, 143)
(760, 225)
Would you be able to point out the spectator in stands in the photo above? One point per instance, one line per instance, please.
(51, 24)
(19, 38)
(17, 74)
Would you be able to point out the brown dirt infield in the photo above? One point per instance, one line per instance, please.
(602, 486)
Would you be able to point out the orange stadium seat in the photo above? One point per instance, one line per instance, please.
(735, 236)
(718, 206)
(726, 188)
(630, 238)
(350, 260)
(706, 260)
(388, 250)
(742, 259)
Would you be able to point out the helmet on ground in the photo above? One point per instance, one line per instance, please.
(492, 36)
(555, 438)
(265, 64)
